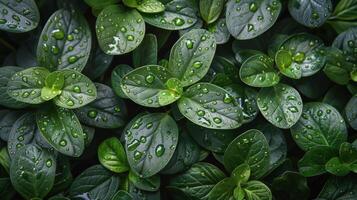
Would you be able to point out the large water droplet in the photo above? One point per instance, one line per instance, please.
(92, 114)
(149, 78)
(159, 150)
(58, 34)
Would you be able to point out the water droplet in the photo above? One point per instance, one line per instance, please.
(250, 27)
(159, 150)
(217, 120)
(227, 98)
(70, 37)
(70, 103)
(142, 139)
(76, 89)
(253, 7)
(197, 64)
(72, 59)
(3, 21)
(299, 57)
(293, 109)
(149, 78)
(137, 155)
(49, 163)
(189, 44)
(92, 114)
(63, 143)
(201, 113)
(133, 145)
(25, 94)
(58, 34)
(178, 21)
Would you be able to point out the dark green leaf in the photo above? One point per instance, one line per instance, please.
(112, 156)
(122, 195)
(106, 111)
(210, 106)
(339, 188)
(310, 13)
(291, 185)
(220, 31)
(178, 14)
(256, 190)
(117, 36)
(26, 85)
(198, 181)
(211, 9)
(148, 184)
(63, 178)
(150, 142)
(19, 16)
(7, 120)
(151, 86)
(98, 63)
(336, 167)
(5, 159)
(252, 148)
(5, 99)
(146, 52)
(191, 56)
(117, 75)
(319, 125)
(281, 105)
(241, 174)
(65, 41)
(32, 172)
(351, 112)
(259, 71)
(223, 190)
(248, 19)
(314, 160)
(100, 4)
(61, 129)
(346, 41)
(96, 182)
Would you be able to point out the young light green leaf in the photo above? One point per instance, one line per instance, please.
(112, 155)
(151, 86)
(65, 41)
(117, 36)
(19, 16)
(223, 190)
(150, 142)
(198, 181)
(257, 190)
(117, 75)
(248, 19)
(211, 9)
(310, 13)
(53, 84)
(314, 160)
(107, 111)
(26, 85)
(147, 184)
(146, 52)
(78, 90)
(319, 125)
(306, 55)
(252, 148)
(33, 171)
(150, 6)
(5, 99)
(241, 173)
(122, 195)
(191, 56)
(336, 167)
(61, 129)
(210, 106)
(281, 105)
(259, 71)
(178, 14)
(96, 182)
(351, 112)
(5, 159)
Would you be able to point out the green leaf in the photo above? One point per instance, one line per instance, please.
(150, 142)
(256, 190)
(211, 139)
(7, 120)
(277, 144)
(211, 9)
(306, 54)
(65, 41)
(337, 67)
(112, 156)
(241, 173)
(252, 148)
(25, 86)
(122, 195)
(151, 86)
(118, 74)
(95, 182)
(178, 14)
(290, 185)
(336, 167)
(33, 171)
(281, 105)
(53, 84)
(107, 111)
(186, 154)
(210, 106)
(61, 129)
(198, 181)
(223, 190)
(259, 71)
(283, 60)
(151, 6)
(100, 4)
(146, 52)
(313, 87)
(348, 152)
(5, 99)
(314, 160)
(345, 10)
(351, 112)
(220, 31)
(250, 18)
(98, 63)
(19, 16)
(191, 56)
(63, 178)
(319, 125)
(148, 184)
(117, 36)
(78, 90)
(339, 188)
(310, 13)
(346, 42)
(5, 159)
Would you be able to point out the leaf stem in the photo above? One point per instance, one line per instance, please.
(8, 45)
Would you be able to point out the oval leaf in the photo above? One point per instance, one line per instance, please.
(281, 105)
(117, 36)
(117, 75)
(211, 9)
(112, 156)
(351, 112)
(150, 142)
(210, 106)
